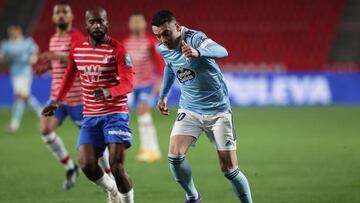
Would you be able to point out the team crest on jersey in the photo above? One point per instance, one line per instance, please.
(185, 76)
(92, 73)
(107, 58)
(128, 60)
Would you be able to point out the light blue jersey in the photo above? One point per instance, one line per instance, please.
(17, 54)
(202, 85)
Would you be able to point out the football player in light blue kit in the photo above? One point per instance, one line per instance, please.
(19, 53)
(204, 103)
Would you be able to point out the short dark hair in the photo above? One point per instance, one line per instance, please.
(161, 17)
(62, 2)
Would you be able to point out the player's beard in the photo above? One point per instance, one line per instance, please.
(98, 37)
(63, 26)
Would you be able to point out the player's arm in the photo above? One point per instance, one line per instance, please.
(168, 81)
(66, 84)
(48, 56)
(202, 46)
(159, 64)
(3, 62)
(125, 76)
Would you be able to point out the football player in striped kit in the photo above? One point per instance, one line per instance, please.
(148, 66)
(106, 77)
(56, 60)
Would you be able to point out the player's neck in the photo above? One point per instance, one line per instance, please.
(138, 35)
(94, 42)
(61, 32)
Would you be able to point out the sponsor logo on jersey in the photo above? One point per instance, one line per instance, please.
(185, 76)
(92, 73)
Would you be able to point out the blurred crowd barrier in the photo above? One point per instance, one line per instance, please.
(251, 89)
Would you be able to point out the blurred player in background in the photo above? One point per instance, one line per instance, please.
(56, 59)
(204, 103)
(106, 76)
(148, 66)
(19, 52)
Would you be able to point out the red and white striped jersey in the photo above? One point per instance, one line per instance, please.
(61, 45)
(147, 62)
(101, 66)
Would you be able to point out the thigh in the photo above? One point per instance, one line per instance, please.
(22, 85)
(186, 130)
(117, 153)
(89, 154)
(221, 132)
(116, 129)
(48, 124)
(76, 114)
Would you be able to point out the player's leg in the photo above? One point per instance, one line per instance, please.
(31, 100)
(229, 166)
(118, 136)
(21, 94)
(123, 181)
(56, 146)
(90, 147)
(221, 132)
(35, 105)
(149, 147)
(105, 164)
(184, 133)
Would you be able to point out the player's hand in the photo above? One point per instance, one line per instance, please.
(41, 68)
(101, 94)
(162, 107)
(188, 51)
(47, 56)
(50, 109)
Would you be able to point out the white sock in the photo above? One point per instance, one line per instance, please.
(148, 136)
(106, 183)
(104, 162)
(127, 197)
(57, 147)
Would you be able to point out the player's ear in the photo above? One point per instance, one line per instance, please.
(178, 27)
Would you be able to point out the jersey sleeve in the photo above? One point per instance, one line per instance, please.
(159, 62)
(207, 47)
(69, 77)
(167, 82)
(125, 73)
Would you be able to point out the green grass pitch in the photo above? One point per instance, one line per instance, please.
(290, 155)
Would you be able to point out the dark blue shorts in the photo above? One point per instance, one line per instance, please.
(103, 130)
(143, 95)
(75, 113)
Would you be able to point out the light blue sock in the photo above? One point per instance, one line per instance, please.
(240, 184)
(181, 170)
(17, 112)
(35, 105)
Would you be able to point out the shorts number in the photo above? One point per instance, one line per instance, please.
(180, 116)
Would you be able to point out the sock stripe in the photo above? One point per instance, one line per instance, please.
(232, 174)
(65, 160)
(176, 160)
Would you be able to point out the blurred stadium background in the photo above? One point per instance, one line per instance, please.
(293, 73)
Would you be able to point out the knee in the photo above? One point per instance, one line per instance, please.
(87, 164)
(118, 169)
(45, 130)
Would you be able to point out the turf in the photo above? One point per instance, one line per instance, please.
(290, 155)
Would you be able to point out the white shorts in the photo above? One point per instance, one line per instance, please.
(22, 85)
(218, 128)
